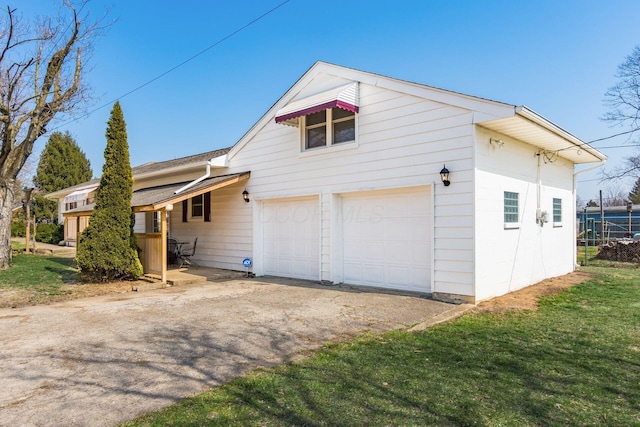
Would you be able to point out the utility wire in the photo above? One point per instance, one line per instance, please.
(612, 136)
(159, 76)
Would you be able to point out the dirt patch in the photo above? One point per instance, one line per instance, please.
(15, 298)
(527, 298)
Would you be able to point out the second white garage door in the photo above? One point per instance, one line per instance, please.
(387, 239)
(291, 238)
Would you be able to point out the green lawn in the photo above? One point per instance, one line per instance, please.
(575, 361)
(43, 276)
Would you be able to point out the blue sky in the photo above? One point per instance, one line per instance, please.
(556, 57)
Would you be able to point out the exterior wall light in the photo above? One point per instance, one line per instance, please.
(444, 175)
(245, 195)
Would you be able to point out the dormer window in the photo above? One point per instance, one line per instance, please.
(324, 119)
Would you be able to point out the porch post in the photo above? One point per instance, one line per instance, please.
(163, 236)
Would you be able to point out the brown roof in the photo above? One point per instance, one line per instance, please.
(157, 167)
(168, 164)
(154, 198)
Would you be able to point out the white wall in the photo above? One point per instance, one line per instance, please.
(403, 141)
(508, 259)
(226, 240)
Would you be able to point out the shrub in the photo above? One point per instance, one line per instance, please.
(106, 250)
(18, 227)
(50, 233)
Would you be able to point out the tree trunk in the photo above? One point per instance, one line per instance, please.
(6, 205)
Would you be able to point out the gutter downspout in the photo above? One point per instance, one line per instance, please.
(192, 183)
(575, 231)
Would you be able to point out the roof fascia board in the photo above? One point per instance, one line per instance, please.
(60, 194)
(456, 99)
(266, 117)
(181, 168)
(534, 117)
(184, 196)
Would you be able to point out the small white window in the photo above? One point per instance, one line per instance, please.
(511, 209)
(329, 127)
(557, 212)
(196, 206)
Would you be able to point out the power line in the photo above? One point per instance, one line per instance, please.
(612, 136)
(618, 146)
(159, 76)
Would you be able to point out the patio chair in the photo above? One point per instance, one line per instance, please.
(172, 251)
(186, 253)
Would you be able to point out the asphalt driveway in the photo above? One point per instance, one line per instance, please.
(100, 361)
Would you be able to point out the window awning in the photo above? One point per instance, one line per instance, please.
(345, 97)
(79, 195)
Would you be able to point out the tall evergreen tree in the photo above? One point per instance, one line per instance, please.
(62, 164)
(107, 248)
(634, 195)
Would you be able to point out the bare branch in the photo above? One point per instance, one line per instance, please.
(624, 100)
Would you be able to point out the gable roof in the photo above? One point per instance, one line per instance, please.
(150, 169)
(518, 122)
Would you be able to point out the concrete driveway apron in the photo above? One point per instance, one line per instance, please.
(100, 361)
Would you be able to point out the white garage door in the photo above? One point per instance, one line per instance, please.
(291, 238)
(387, 239)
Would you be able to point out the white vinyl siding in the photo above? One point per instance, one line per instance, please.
(402, 141)
(507, 260)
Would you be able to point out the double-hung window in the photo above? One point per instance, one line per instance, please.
(329, 127)
(511, 209)
(196, 206)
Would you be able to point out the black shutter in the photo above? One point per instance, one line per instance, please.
(185, 207)
(206, 201)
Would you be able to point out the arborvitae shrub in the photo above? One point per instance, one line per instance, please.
(106, 250)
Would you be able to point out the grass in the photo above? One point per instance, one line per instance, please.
(42, 276)
(591, 259)
(572, 362)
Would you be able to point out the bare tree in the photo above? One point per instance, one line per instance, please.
(623, 99)
(40, 76)
(614, 196)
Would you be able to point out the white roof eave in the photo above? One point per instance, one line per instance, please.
(529, 127)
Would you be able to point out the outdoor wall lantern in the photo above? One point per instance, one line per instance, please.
(444, 175)
(245, 195)
(169, 207)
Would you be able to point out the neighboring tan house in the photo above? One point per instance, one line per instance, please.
(344, 184)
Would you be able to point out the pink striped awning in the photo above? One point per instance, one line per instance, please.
(345, 97)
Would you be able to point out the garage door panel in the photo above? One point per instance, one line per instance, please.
(397, 276)
(397, 252)
(291, 238)
(373, 274)
(387, 239)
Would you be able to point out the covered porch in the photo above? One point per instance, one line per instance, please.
(160, 200)
(157, 201)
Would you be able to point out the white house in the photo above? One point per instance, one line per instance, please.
(343, 176)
